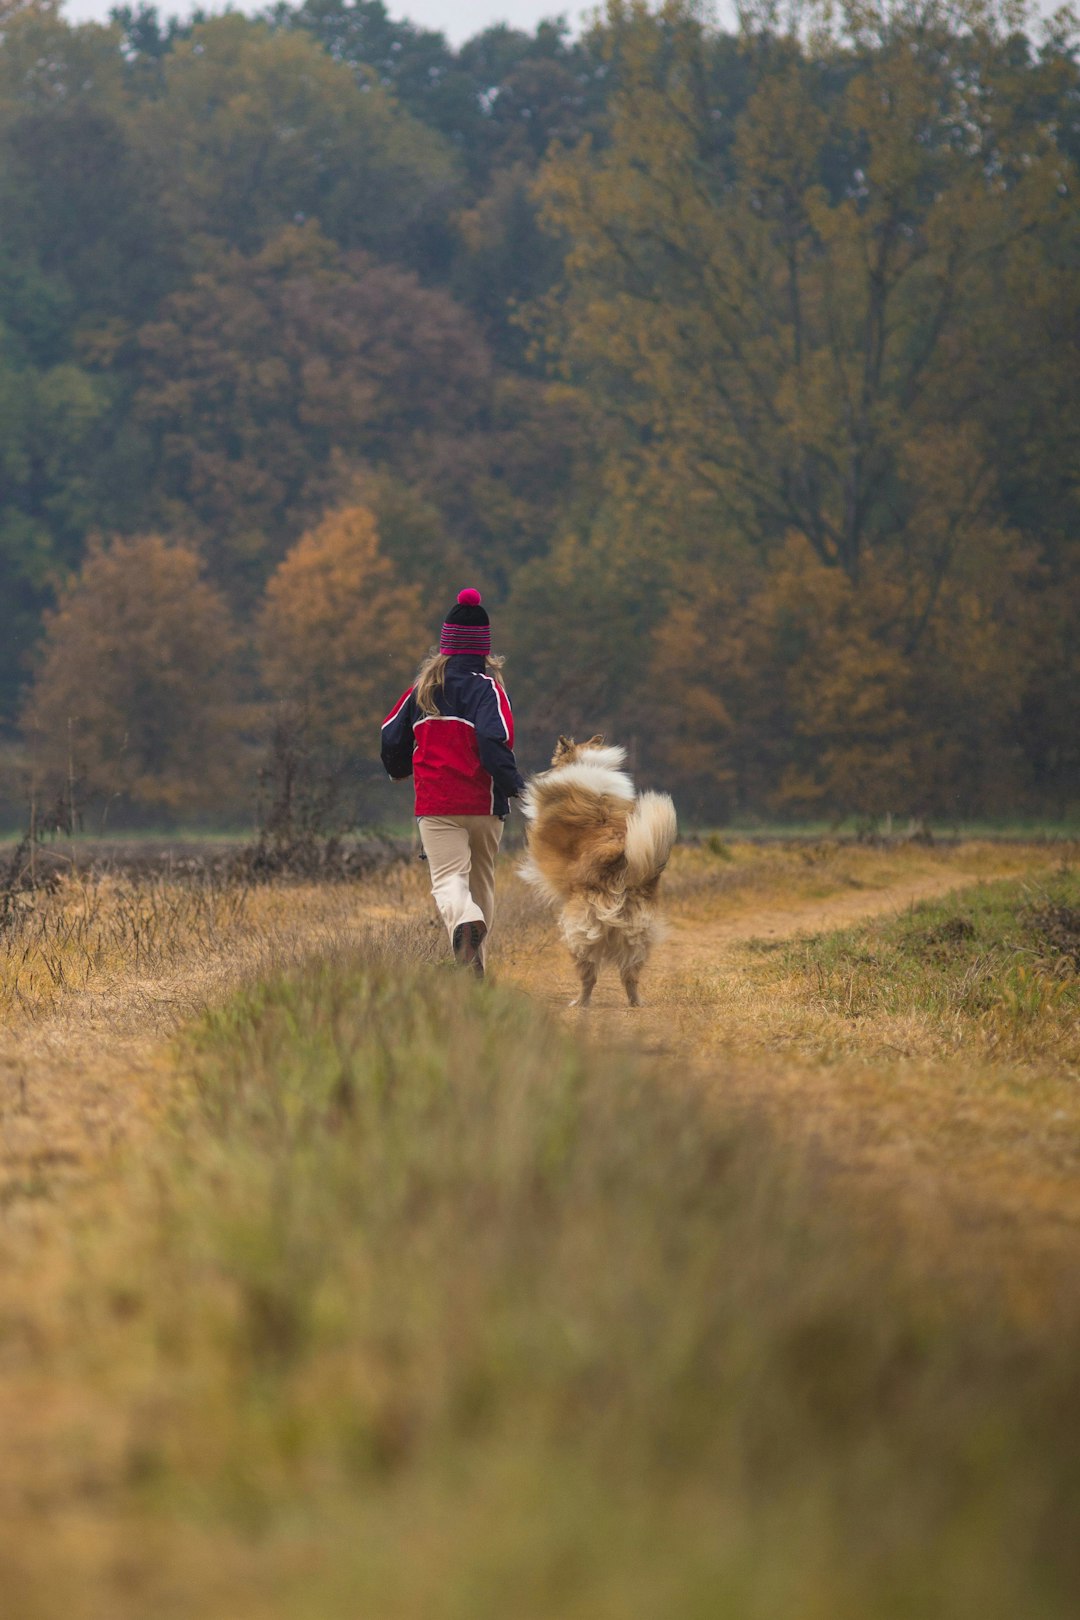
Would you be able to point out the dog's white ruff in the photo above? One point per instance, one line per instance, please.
(600, 774)
(609, 755)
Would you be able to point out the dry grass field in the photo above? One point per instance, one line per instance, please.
(332, 1285)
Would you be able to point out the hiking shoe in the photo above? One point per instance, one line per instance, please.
(468, 938)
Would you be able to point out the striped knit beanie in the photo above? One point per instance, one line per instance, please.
(467, 628)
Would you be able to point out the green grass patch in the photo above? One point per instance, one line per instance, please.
(422, 1308)
(1003, 956)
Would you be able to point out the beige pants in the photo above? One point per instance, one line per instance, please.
(461, 853)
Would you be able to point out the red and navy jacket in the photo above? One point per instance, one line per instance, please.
(462, 759)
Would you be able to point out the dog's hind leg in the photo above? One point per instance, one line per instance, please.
(587, 974)
(634, 957)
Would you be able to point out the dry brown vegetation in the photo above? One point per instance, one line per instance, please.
(96, 972)
(331, 1288)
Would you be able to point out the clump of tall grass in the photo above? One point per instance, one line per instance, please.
(79, 931)
(424, 1308)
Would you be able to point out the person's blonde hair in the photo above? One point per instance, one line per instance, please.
(432, 673)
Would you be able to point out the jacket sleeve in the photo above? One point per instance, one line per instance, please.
(397, 739)
(495, 737)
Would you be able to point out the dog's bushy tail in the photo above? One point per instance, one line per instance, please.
(651, 830)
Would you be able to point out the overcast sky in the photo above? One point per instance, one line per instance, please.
(458, 19)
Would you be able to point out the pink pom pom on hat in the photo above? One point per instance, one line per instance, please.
(467, 628)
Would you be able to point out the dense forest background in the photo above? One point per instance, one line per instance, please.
(740, 372)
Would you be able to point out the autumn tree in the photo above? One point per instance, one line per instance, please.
(339, 633)
(267, 374)
(775, 690)
(136, 690)
(787, 317)
(782, 327)
(502, 96)
(254, 130)
(10, 9)
(715, 700)
(83, 252)
(78, 192)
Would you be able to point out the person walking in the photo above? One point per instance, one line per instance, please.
(453, 733)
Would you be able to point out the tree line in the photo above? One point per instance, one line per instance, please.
(741, 372)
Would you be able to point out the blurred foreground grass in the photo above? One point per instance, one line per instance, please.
(420, 1307)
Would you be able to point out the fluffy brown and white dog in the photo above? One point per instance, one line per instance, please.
(596, 851)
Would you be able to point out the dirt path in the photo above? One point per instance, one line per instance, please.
(694, 946)
(980, 1164)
